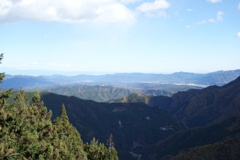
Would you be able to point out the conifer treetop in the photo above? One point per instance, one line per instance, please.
(63, 114)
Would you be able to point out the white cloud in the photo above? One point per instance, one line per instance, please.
(189, 10)
(218, 18)
(71, 11)
(153, 6)
(238, 34)
(4, 6)
(214, 1)
(129, 1)
(212, 20)
(156, 14)
(219, 15)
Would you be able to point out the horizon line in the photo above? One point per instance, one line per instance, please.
(13, 72)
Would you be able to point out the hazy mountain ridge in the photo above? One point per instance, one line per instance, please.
(22, 81)
(207, 105)
(147, 83)
(100, 93)
(214, 78)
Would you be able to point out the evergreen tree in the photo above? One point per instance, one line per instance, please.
(112, 152)
(98, 151)
(6, 148)
(67, 141)
(34, 128)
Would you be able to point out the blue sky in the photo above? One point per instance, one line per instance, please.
(149, 36)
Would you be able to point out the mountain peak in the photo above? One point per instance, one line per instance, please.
(234, 82)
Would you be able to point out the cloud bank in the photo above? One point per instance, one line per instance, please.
(155, 8)
(70, 11)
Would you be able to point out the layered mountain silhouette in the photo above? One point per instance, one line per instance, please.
(210, 115)
(195, 107)
(130, 80)
(160, 127)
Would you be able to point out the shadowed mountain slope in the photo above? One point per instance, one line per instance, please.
(196, 107)
(133, 123)
(199, 136)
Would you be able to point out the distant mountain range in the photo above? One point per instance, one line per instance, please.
(103, 88)
(127, 80)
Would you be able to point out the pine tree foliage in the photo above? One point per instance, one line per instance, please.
(66, 138)
(98, 151)
(28, 133)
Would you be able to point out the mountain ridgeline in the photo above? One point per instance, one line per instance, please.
(195, 107)
(200, 107)
(210, 117)
(126, 80)
(102, 93)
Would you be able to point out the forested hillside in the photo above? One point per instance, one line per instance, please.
(195, 107)
(211, 116)
(130, 123)
(102, 93)
(212, 136)
(28, 132)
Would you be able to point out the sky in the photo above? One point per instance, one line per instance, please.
(112, 36)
